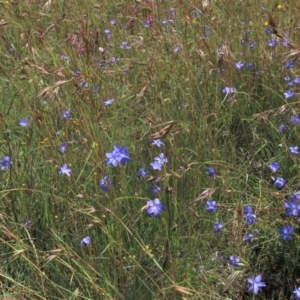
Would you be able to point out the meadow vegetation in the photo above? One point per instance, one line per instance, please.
(149, 150)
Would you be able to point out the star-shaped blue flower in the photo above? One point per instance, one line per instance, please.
(154, 207)
(274, 166)
(5, 162)
(24, 122)
(85, 241)
(255, 284)
(65, 170)
(211, 206)
(286, 231)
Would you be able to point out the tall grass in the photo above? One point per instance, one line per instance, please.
(56, 56)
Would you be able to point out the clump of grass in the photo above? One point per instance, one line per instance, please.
(136, 144)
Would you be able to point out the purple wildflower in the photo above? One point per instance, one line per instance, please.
(239, 65)
(279, 183)
(272, 43)
(286, 231)
(5, 162)
(274, 166)
(24, 122)
(211, 206)
(255, 284)
(158, 143)
(105, 183)
(142, 172)
(294, 150)
(66, 114)
(85, 241)
(295, 119)
(218, 226)
(65, 170)
(63, 147)
(288, 94)
(154, 207)
(109, 102)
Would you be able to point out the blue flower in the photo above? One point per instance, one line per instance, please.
(156, 165)
(65, 170)
(274, 166)
(252, 45)
(5, 162)
(154, 207)
(247, 210)
(107, 33)
(250, 219)
(125, 45)
(295, 195)
(167, 21)
(294, 150)
(181, 105)
(255, 284)
(272, 43)
(142, 172)
(27, 223)
(297, 80)
(248, 237)
(282, 128)
(287, 78)
(24, 122)
(119, 154)
(112, 22)
(268, 31)
(158, 143)
(289, 64)
(286, 231)
(102, 64)
(297, 293)
(76, 73)
(211, 172)
(198, 12)
(211, 206)
(279, 183)
(123, 154)
(66, 114)
(228, 90)
(295, 119)
(239, 65)
(84, 84)
(65, 57)
(146, 24)
(234, 261)
(105, 183)
(63, 147)
(159, 161)
(176, 49)
(288, 94)
(85, 241)
(154, 189)
(218, 226)
(113, 158)
(292, 207)
(249, 65)
(109, 102)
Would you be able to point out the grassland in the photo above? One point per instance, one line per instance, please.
(89, 89)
